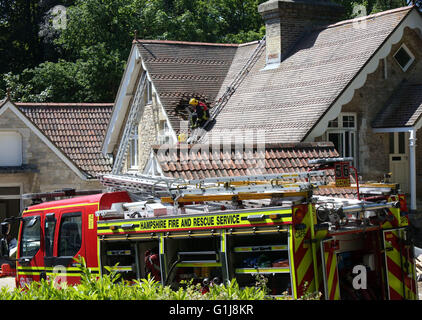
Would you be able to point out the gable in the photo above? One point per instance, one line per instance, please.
(9, 107)
(77, 129)
(180, 70)
(177, 70)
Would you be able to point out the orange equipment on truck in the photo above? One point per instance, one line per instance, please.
(225, 228)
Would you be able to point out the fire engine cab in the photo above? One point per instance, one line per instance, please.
(217, 229)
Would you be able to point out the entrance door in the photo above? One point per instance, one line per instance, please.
(329, 269)
(399, 265)
(399, 159)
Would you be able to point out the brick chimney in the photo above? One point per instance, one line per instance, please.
(287, 20)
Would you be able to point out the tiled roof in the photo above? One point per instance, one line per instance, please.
(180, 70)
(206, 161)
(77, 129)
(288, 101)
(404, 108)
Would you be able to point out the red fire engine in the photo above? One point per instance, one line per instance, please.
(217, 229)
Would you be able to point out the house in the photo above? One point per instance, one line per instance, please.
(318, 78)
(47, 147)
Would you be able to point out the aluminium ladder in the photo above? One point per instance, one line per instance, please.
(134, 116)
(210, 187)
(198, 133)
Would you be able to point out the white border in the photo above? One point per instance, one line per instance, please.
(412, 57)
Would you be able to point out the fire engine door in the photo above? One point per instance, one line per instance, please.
(399, 265)
(329, 269)
(64, 242)
(30, 262)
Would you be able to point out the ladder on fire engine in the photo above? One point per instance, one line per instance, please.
(198, 133)
(134, 116)
(219, 188)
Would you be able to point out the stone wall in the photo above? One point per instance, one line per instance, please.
(149, 129)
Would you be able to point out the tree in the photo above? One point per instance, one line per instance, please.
(352, 8)
(20, 43)
(85, 60)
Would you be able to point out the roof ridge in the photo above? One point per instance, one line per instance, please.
(270, 145)
(63, 104)
(141, 41)
(371, 16)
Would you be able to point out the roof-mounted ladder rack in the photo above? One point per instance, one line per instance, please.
(230, 186)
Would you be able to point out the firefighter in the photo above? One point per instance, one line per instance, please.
(200, 113)
(152, 264)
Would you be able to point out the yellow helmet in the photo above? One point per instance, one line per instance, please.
(193, 102)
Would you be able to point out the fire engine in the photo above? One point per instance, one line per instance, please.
(217, 229)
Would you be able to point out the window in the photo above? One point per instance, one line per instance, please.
(333, 123)
(12, 142)
(342, 133)
(404, 57)
(164, 136)
(149, 92)
(31, 235)
(397, 142)
(49, 228)
(133, 149)
(70, 236)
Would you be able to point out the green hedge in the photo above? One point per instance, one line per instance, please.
(111, 287)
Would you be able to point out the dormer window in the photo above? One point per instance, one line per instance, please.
(404, 57)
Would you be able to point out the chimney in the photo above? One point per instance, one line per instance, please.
(287, 20)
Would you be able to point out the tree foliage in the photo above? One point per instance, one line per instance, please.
(85, 60)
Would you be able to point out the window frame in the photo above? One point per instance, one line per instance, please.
(27, 219)
(341, 130)
(63, 217)
(164, 136)
(148, 90)
(133, 154)
(398, 143)
(12, 138)
(411, 55)
(49, 218)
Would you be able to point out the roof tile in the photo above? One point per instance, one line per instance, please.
(75, 128)
(276, 158)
